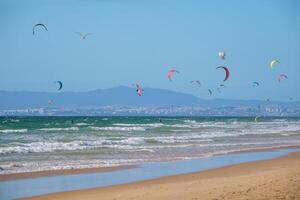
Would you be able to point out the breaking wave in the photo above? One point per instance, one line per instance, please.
(14, 130)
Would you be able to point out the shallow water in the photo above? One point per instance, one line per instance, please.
(45, 143)
(43, 185)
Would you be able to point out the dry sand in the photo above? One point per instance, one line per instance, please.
(270, 179)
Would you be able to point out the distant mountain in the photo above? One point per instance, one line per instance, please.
(115, 96)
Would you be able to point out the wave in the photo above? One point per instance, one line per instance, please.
(129, 144)
(10, 120)
(37, 147)
(181, 130)
(249, 127)
(42, 165)
(189, 121)
(82, 124)
(178, 139)
(131, 141)
(42, 147)
(154, 125)
(34, 166)
(14, 130)
(14, 120)
(113, 128)
(59, 129)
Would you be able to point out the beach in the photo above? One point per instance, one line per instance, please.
(150, 100)
(277, 178)
(50, 155)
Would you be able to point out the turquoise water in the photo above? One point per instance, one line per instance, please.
(43, 143)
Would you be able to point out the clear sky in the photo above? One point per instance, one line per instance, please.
(139, 41)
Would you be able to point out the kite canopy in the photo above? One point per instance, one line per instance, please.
(37, 25)
(280, 77)
(210, 92)
(197, 82)
(273, 62)
(170, 74)
(254, 84)
(222, 55)
(60, 85)
(138, 90)
(220, 86)
(226, 72)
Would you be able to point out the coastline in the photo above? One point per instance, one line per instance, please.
(277, 178)
(62, 172)
(47, 185)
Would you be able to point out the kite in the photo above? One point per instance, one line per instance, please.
(198, 82)
(138, 90)
(280, 77)
(210, 92)
(273, 62)
(226, 72)
(41, 25)
(60, 84)
(222, 55)
(220, 86)
(170, 73)
(255, 84)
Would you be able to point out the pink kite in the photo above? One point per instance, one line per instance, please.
(138, 90)
(170, 73)
(281, 77)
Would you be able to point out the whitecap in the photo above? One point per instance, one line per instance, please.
(111, 128)
(82, 124)
(60, 129)
(14, 130)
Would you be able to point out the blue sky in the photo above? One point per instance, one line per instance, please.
(139, 41)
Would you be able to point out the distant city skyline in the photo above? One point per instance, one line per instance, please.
(139, 41)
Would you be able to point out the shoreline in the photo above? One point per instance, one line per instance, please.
(277, 178)
(62, 172)
(33, 187)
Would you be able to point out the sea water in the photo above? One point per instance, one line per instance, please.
(45, 143)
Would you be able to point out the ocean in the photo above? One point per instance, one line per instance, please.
(46, 143)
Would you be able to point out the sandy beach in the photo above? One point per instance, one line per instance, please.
(268, 179)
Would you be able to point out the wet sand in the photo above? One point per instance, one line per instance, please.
(268, 179)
